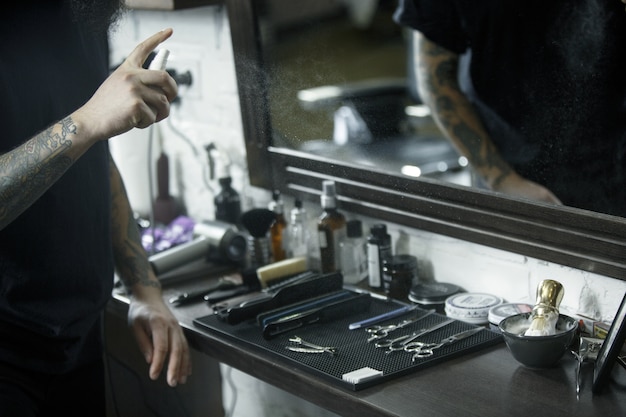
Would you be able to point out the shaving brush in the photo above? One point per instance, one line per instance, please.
(546, 310)
(258, 222)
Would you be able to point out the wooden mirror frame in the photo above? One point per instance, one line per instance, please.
(580, 239)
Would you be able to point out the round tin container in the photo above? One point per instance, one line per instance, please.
(433, 295)
(471, 307)
(502, 311)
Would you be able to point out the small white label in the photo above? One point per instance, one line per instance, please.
(373, 266)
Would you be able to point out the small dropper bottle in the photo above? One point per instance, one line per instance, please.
(331, 227)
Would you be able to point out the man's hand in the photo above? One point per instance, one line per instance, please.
(515, 185)
(131, 96)
(160, 339)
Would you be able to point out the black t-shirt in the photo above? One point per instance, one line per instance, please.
(547, 78)
(56, 271)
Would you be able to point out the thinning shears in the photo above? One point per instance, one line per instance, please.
(381, 332)
(399, 343)
(424, 350)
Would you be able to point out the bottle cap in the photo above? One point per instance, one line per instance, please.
(225, 181)
(276, 205)
(379, 230)
(329, 195)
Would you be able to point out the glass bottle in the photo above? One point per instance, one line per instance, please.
(278, 229)
(298, 232)
(227, 203)
(353, 253)
(331, 228)
(378, 249)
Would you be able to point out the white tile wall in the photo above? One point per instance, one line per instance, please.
(209, 112)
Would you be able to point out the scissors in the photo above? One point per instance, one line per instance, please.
(399, 343)
(425, 350)
(381, 332)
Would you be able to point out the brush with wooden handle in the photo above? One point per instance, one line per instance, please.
(546, 310)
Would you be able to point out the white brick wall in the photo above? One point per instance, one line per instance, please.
(208, 111)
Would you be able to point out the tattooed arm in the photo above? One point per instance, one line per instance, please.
(130, 97)
(158, 334)
(29, 170)
(436, 73)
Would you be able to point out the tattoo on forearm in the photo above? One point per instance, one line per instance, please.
(29, 170)
(457, 118)
(130, 257)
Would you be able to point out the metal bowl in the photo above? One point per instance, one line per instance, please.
(537, 351)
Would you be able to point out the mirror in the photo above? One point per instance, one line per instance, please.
(338, 87)
(564, 235)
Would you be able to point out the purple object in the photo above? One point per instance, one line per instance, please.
(180, 230)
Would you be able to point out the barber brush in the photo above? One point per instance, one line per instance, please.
(546, 310)
(257, 222)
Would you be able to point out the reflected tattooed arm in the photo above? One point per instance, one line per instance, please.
(436, 73)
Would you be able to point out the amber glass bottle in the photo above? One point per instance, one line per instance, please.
(278, 230)
(331, 227)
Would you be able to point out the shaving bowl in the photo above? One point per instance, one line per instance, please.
(537, 351)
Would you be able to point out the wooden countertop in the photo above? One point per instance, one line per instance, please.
(485, 383)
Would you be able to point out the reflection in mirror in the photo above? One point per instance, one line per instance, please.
(338, 88)
(580, 239)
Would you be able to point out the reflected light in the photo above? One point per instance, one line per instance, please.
(411, 171)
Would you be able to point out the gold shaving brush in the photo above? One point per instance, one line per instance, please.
(546, 310)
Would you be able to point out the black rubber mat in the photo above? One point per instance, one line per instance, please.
(353, 352)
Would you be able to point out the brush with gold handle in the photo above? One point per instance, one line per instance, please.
(546, 310)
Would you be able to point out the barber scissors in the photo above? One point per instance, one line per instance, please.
(401, 342)
(425, 350)
(381, 332)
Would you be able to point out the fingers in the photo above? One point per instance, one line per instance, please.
(162, 84)
(163, 343)
(142, 51)
(162, 89)
(143, 341)
(179, 366)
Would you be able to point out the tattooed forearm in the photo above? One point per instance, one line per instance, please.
(29, 170)
(454, 113)
(131, 260)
